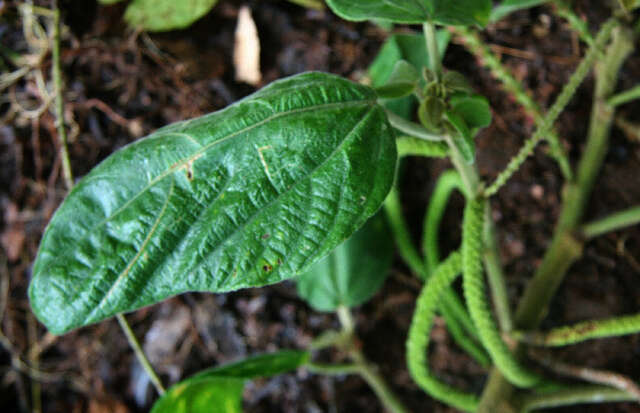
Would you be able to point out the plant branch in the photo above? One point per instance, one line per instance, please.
(564, 248)
(409, 146)
(613, 222)
(59, 91)
(429, 30)
(142, 358)
(558, 106)
(410, 128)
(489, 59)
(625, 97)
(574, 395)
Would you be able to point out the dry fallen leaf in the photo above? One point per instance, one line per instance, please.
(246, 53)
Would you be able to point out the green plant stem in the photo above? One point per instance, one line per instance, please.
(59, 105)
(625, 97)
(142, 358)
(363, 367)
(611, 223)
(410, 128)
(558, 106)
(573, 395)
(467, 171)
(489, 59)
(409, 146)
(564, 248)
(429, 30)
(586, 330)
(577, 24)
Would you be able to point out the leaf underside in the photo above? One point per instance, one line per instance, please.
(247, 196)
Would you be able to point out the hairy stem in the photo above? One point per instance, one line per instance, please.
(558, 106)
(142, 358)
(429, 30)
(409, 146)
(573, 395)
(410, 128)
(625, 97)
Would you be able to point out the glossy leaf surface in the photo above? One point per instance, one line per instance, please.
(219, 389)
(163, 15)
(447, 12)
(244, 197)
(353, 272)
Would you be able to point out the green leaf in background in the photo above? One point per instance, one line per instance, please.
(509, 6)
(244, 197)
(474, 109)
(353, 272)
(446, 12)
(409, 47)
(401, 83)
(461, 136)
(108, 2)
(163, 15)
(219, 389)
(630, 5)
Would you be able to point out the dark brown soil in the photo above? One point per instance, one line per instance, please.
(122, 85)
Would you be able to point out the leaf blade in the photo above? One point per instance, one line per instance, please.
(246, 196)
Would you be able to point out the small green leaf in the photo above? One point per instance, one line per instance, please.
(219, 389)
(457, 82)
(446, 12)
(473, 109)
(164, 15)
(353, 272)
(509, 6)
(248, 196)
(430, 112)
(412, 48)
(401, 83)
(461, 136)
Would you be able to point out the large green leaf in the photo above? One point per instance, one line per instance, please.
(163, 15)
(219, 389)
(509, 6)
(353, 272)
(409, 47)
(244, 197)
(447, 12)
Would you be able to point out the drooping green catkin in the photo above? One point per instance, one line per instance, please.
(409, 146)
(561, 102)
(587, 330)
(515, 88)
(475, 295)
(418, 339)
(453, 311)
(445, 185)
(576, 23)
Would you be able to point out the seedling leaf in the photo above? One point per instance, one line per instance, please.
(164, 15)
(219, 389)
(248, 196)
(353, 272)
(401, 83)
(473, 109)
